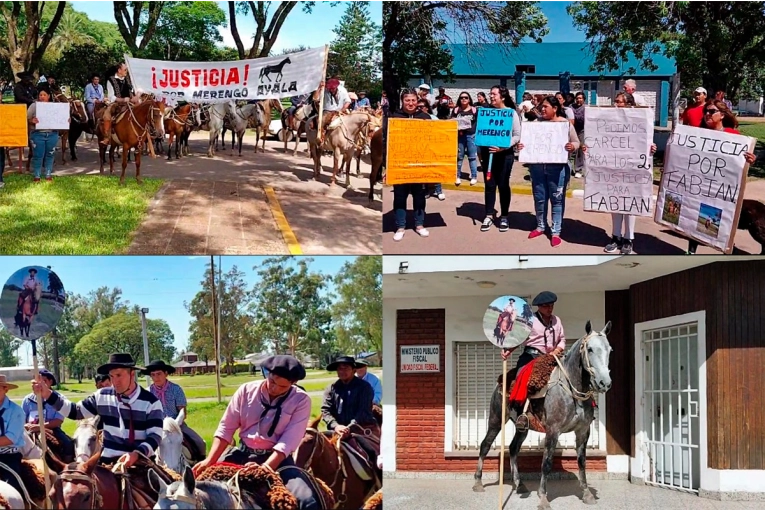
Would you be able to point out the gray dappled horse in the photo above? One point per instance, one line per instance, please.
(568, 407)
(190, 494)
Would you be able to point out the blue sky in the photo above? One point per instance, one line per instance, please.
(160, 284)
(311, 30)
(560, 23)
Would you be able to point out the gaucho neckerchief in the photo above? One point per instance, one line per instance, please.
(278, 406)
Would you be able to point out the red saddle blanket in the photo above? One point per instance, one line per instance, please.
(519, 391)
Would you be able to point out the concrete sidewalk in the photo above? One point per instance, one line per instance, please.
(430, 494)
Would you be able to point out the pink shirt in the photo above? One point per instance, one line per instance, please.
(244, 410)
(555, 336)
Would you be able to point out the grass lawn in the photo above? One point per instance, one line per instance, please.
(73, 215)
(757, 130)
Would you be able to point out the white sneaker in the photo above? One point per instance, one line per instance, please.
(399, 235)
(423, 232)
(2, 184)
(441, 197)
(578, 175)
(458, 182)
(473, 182)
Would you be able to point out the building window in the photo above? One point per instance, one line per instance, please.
(477, 366)
(528, 69)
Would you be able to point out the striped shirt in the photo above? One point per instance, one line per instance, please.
(142, 409)
(173, 397)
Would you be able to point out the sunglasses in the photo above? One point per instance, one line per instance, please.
(709, 111)
(463, 97)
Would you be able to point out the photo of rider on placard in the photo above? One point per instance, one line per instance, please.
(507, 321)
(32, 302)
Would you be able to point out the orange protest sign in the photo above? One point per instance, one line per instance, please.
(13, 128)
(421, 151)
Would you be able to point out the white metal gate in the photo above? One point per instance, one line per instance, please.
(477, 365)
(671, 406)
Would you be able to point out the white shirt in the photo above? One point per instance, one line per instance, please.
(525, 106)
(30, 282)
(110, 89)
(639, 100)
(335, 103)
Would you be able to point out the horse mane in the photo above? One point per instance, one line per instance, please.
(313, 424)
(171, 425)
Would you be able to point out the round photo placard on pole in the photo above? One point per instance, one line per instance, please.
(507, 321)
(32, 302)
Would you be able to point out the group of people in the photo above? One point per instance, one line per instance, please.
(271, 415)
(549, 182)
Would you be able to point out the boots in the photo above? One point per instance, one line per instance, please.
(107, 131)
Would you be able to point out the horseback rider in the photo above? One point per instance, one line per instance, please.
(546, 337)
(271, 417)
(11, 435)
(297, 102)
(364, 375)
(25, 92)
(173, 401)
(52, 84)
(119, 92)
(125, 401)
(363, 101)
(28, 288)
(94, 95)
(53, 419)
(336, 101)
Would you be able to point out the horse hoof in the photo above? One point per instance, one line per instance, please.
(74, 159)
(521, 489)
(544, 504)
(478, 487)
(589, 499)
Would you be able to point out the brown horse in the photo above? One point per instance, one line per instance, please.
(263, 129)
(377, 150)
(131, 129)
(175, 124)
(86, 485)
(325, 457)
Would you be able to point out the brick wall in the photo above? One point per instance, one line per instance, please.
(420, 413)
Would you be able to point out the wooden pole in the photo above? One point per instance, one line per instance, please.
(502, 434)
(41, 421)
(321, 99)
(215, 325)
(220, 293)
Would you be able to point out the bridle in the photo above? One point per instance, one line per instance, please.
(586, 365)
(318, 437)
(75, 475)
(149, 127)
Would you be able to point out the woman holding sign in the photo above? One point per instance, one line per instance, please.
(466, 115)
(402, 191)
(717, 116)
(43, 141)
(497, 176)
(549, 180)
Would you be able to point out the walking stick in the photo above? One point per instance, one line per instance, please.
(502, 434)
(41, 421)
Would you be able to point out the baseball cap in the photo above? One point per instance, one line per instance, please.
(701, 90)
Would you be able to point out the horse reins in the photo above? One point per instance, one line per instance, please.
(342, 497)
(584, 355)
(73, 475)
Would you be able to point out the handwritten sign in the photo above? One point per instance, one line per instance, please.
(618, 163)
(544, 142)
(494, 127)
(13, 128)
(702, 187)
(421, 151)
(420, 358)
(52, 115)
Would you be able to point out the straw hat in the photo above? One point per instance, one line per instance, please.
(6, 384)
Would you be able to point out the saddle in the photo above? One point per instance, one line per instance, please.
(190, 450)
(31, 475)
(137, 489)
(532, 383)
(363, 450)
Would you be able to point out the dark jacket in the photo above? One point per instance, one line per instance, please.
(24, 93)
(344, 403)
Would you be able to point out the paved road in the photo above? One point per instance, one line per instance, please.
(454, 226)
(429, 494)
(264, 203)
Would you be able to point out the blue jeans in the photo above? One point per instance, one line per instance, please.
(43, 151)
(2, 162)
(549, 183)
(400, 194)
(466, 147)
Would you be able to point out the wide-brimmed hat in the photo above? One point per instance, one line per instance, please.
(285, 366)
(6, 384)
(361, 363)
(33, 269)
(24, 74)
(48, 374)
(544, 298)
(343, 360)
(158, 364)
(119, 360)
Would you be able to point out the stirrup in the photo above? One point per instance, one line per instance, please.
(522, 423)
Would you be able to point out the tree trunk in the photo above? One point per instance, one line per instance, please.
(56, 367)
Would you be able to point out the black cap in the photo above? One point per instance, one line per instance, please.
(343, 360)
(101, 378)
(544, 298)
(48, 375)
(285, 366)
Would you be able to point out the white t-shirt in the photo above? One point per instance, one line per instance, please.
(639, 100)
(335, 103)
(524, 107)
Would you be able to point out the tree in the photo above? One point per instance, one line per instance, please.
(355, 54)
(8, 347)
(289, 308)
(130, 27)
(717, 44)
(78, 62)
(358, 312)
(122, 333)
(415, 33)
(267, 31)
(71, 31)
(187, 31)
(20, 41)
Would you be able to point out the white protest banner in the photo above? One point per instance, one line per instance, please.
(544, 142)
(214, 82)
(618, 163)
(420, 358)
(702, 187)
(52, 115)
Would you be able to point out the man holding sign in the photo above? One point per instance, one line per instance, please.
(497, 131)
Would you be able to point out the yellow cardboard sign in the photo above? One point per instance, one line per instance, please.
(13, 127)
(421, 151)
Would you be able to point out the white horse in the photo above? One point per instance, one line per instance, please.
(30, 450)
(171, 452)
(12, 496)
(239, 119)
(85, 439)
(216, 114)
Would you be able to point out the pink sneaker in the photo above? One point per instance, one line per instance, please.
(536, 233)
(555, 241)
